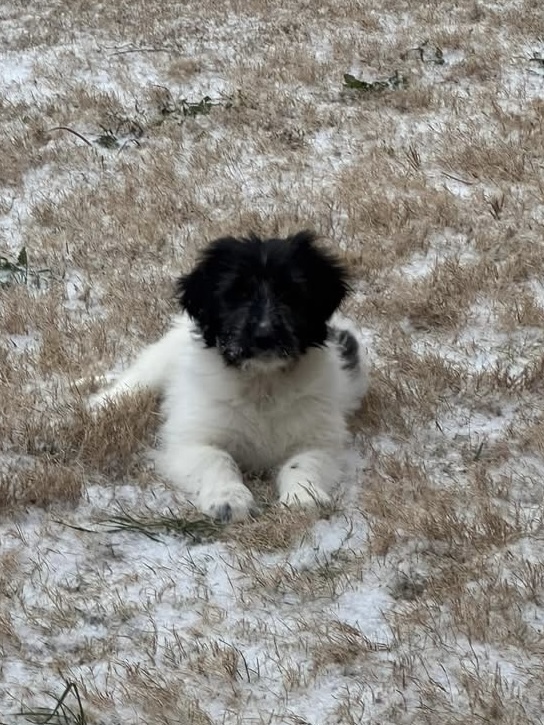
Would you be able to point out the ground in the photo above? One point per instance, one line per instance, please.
(408, 135)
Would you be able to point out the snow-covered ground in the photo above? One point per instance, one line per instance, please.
(420, 597)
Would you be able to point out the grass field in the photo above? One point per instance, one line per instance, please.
(411, 137)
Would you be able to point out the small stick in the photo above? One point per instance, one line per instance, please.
(143, 50)
(455, 178)
(71, 130)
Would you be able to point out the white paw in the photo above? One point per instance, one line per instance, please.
(100, 400)
(108, 397)
(229, 503)
(304, 496)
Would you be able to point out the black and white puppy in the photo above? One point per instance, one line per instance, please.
(256, 374)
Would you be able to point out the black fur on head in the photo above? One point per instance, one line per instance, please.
(266, 300)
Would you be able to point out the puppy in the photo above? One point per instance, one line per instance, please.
(254, 375)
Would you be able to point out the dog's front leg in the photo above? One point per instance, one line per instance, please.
(211, 478)
(307, 478)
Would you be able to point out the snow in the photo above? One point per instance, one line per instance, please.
(104, 575)
(93, 594)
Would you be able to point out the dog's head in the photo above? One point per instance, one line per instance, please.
(263, 302)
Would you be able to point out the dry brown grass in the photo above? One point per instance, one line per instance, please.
(418, 597)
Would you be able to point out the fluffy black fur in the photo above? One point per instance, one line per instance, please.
(347, 346)
(268, 299)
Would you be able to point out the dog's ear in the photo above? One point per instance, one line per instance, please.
(325, 276)
(192, 293)
(195, 291)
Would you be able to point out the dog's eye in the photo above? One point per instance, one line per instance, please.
(239, 291)
(289, 293)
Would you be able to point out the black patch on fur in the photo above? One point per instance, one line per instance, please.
(348, 347)
(255, 298)
(224, 513)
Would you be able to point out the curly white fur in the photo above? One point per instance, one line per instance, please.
(220, 421)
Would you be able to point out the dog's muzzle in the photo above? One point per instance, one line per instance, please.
(264, 347)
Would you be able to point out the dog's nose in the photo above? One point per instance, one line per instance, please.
(264, 334)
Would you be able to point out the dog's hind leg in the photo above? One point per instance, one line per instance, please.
(150, 371)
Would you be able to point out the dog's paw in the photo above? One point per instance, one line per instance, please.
(229, 504)
(100, 400)
(107, 397)
(304, 496)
